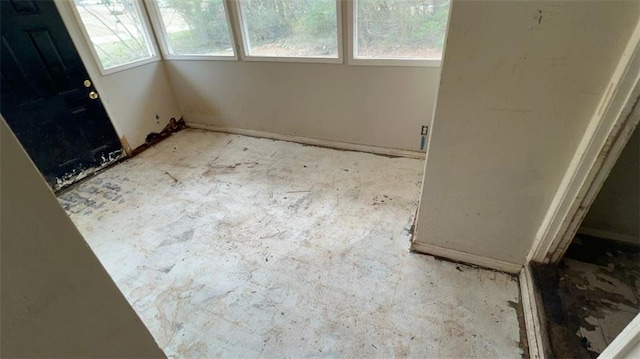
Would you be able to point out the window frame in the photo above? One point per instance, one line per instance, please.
(147, 33)
(245, 48)
(163, 39)
(352, 11)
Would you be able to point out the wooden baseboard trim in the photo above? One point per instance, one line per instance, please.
(312, 141)
(534, 316)
(459, 256)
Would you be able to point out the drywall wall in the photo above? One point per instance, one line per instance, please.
(370, 105)
(56, 300)
(615, 213)
(131, 97)
(519, 84)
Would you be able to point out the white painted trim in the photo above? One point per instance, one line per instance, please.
(621, 237)
(315, 60)
(312, 141)
(608, 131)
(246, 43)
(464, 257)
(352, 42)
(363, 61)
(148, 36)
(161, 33)
(624, 342)
(534, 319)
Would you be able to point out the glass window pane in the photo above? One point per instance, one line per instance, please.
(291, 28)
(116, 31)
(196, 27)
(401, 28)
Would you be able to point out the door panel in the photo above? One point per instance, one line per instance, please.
(44, 99)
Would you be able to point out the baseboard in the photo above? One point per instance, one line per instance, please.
(609, 235)
(312, 141)
(534, 316)
(459, 256)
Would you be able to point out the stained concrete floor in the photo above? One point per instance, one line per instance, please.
(232, 246)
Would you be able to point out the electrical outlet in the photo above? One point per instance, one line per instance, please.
(157, 118)
(423, 137)
(424, 131)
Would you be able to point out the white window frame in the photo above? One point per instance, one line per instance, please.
(160, 31)
(352, 12)
(244, 39)
(147, 32)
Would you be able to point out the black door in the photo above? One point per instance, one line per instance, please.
(47, 97)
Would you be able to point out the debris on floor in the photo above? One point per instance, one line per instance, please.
(590, 296)
(233, 246)
(154, 137)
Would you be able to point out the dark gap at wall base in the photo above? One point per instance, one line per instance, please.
(514, 276)
(153, 138)
(349, 150)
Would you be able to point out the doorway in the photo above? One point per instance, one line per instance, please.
(594, 291)
(47, 97)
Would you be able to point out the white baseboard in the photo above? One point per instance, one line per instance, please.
(534, 319)
(459, 256)
(609, 235)
(312, 141)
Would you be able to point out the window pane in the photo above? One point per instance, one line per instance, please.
(401, 28)
(291, 28)
(196, 27)
(116, 31)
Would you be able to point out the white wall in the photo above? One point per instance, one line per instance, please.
(520, 82)
(615, 213)
(131, 97)
(381, 106)
(371, 105)
(56, 300)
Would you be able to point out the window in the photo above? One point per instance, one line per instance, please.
(117, 30)
(291, 29)
(194, 28)
(399, 29)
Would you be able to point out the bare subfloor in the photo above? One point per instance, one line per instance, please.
(591, 295)
(232, 246)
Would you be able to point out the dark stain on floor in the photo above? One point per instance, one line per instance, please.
(569, 298)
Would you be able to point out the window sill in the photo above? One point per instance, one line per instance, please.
(199, 58)
(395, 62)
(127, 66)
(319, 60)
